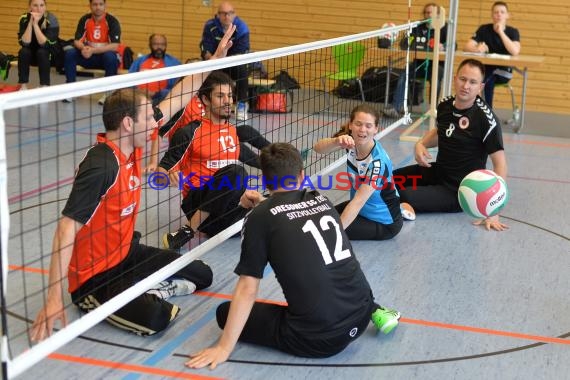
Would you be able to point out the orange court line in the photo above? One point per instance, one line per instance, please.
(479, 330)
(535, 142)
(129, 367)
(28, 269)
(229, 297)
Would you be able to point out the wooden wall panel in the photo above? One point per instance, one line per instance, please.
(544, 28)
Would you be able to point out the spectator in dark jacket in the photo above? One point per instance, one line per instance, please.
(38, 34)
(211, 36)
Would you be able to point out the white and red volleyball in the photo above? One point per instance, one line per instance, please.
(482, 193)
(391, 36)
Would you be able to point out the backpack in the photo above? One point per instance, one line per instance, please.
(5, 60)
(347, 89)
(284, 81)
(126, 57)
(374, 84)
(57, 54)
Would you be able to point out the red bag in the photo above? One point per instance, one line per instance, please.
(9, 88)
(272, 102)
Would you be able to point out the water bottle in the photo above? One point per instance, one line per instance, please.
(517, 115)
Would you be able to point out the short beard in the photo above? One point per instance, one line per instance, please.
(157, 54)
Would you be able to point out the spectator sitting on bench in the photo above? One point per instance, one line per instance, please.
(37, 34)
(421, 38)
(213, 31)
(157, 59)
(96, 42)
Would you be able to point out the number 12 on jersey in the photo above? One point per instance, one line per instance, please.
(325, 223)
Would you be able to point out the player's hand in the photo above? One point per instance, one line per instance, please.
(87, 52)
(499, 28)
(45, 321)
(225, 43)
(174, 176)
(36, 17)
(212, 356)
(250, 199)
(491, 223)
(482, 47)
(422, 155)
(345, 142)
(151, 167)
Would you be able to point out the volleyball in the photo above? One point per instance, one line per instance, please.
(482, 193)
(389, 36)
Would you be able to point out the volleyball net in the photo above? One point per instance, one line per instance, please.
(43, 140)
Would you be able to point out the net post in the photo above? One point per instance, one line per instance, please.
(4, 233)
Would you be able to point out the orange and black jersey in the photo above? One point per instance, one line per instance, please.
(96, 33)
(202, 148)
(194, 110)
(105, 199)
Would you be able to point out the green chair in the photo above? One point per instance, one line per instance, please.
(348, 58)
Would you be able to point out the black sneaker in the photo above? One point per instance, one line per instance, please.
(175, 240)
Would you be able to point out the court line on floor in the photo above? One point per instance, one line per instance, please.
(548, 180)
(39, 190)
(167, 349)
(539, 340)
(63, 133)
(143, 370)
(43, 129)
(28, 269)
(479, 330)
(335, 365)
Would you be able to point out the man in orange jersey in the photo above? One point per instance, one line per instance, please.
(96, 246)
(206, 153)
(158, 58)
(96, 42)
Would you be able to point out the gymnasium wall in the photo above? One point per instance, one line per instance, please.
(544, 28)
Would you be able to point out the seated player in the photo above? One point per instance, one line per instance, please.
(149, 313)
(329, 301)
(96, 247)
(206, 152)
(195, 110)
(373, 211)
(467, 133)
